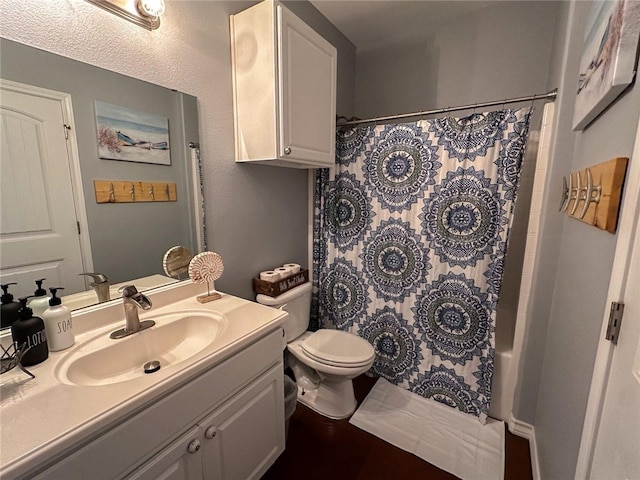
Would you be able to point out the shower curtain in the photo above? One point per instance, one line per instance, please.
(410, 231)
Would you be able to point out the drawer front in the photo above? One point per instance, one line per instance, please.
(129, 444)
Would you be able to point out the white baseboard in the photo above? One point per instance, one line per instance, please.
(526, 430)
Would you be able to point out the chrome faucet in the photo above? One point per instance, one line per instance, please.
(132, 300)
(100, 284)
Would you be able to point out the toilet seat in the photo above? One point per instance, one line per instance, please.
(338, 348)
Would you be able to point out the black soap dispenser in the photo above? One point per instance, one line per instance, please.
(9, 309)
(30, 330)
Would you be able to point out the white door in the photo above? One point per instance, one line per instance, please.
(617, 449)
(38, 228)
(610, 445)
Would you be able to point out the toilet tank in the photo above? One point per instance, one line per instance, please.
(297, 303)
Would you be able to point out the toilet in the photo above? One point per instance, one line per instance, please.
(324, 362)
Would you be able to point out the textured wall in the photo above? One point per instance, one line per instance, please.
(257, 216)
(496, 52)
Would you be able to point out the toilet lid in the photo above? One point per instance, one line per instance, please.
(338, 348)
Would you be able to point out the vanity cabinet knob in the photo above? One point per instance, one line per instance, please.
(194, 446)
(287, 150)
(211, 432)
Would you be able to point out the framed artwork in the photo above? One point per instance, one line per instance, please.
(129, 135)
(608, 60)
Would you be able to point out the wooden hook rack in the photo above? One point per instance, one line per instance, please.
(125, 191)
(593, 195)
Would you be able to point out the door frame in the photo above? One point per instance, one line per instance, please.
(73, 157)
(627, 225)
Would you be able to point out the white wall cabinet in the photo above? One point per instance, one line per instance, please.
(284, 89)
(225, 424)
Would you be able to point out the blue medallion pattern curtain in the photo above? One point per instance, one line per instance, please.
(410, 232)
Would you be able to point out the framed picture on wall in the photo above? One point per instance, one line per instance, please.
(608, 60)
(130, 135)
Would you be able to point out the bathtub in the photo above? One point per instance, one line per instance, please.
(500, 407)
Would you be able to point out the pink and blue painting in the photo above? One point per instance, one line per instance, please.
(132, 136)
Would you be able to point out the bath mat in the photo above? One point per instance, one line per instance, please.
(445, 437)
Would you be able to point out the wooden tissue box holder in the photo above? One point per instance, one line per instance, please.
(273, 289)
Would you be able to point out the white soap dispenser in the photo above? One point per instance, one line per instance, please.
(58, 326)
(41, 301)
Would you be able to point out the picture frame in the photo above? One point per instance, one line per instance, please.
(608, 61)
(130, 135)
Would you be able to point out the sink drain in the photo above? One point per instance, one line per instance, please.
(152, 366)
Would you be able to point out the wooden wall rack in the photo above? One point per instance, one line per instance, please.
(125, 191)
(593, 195)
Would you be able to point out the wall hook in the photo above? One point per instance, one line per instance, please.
(565, 193)
(112, 193)
(151, 194)
(575, 193)
(591, 194)
(132, 193)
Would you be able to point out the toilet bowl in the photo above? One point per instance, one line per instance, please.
(324, 379)
(325, 362)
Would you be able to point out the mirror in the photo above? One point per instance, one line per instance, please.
(124, 241)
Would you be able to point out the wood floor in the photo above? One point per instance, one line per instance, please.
(321, 448)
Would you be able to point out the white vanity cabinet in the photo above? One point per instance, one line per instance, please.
(181, 460)
(242, 439)
(239, 440)
(284, 89)
(226, 423)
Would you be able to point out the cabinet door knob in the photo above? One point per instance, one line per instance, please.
(194, 446)
(211, 432)
(287, 150)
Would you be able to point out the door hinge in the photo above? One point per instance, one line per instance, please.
(615, 319)
(66, 131)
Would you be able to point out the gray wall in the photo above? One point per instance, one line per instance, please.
(496, 52)
(572, 278)
(128, 240)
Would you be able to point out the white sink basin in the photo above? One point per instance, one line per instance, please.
(174, 340)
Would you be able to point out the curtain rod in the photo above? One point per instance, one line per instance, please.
(544, 96)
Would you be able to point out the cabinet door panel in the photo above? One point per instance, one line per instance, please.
(175, 462)
(308, 76)
(249, 431)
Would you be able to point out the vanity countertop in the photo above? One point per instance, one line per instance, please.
(43, 417)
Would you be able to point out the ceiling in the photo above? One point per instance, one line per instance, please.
(371, 24)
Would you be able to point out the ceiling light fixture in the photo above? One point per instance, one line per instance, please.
(144, 13)
(151, 8)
